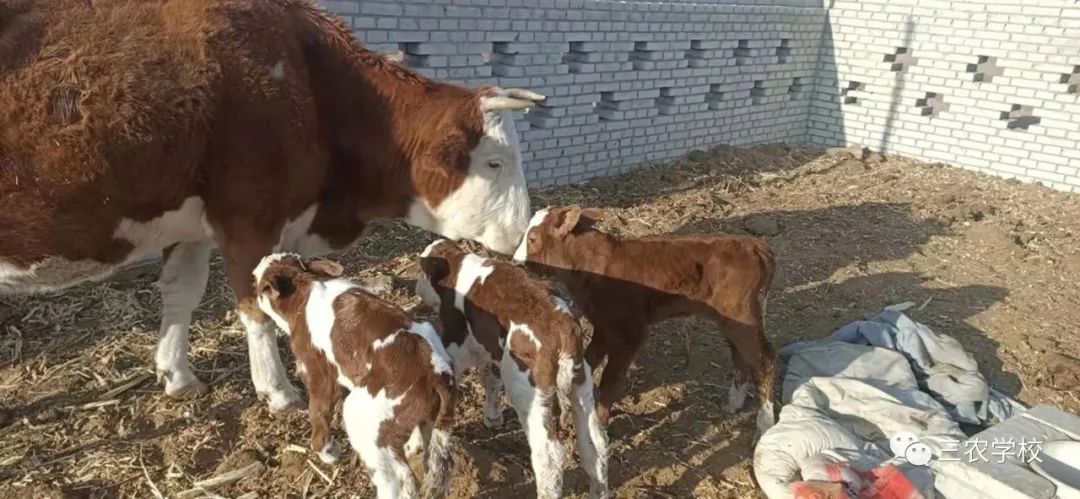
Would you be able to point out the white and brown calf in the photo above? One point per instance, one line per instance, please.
(397, 372)
(499, 320)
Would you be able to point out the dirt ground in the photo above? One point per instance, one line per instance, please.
(992, 262)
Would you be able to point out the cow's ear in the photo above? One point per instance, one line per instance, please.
(327, 267)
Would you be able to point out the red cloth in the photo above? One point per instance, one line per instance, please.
(883, 482)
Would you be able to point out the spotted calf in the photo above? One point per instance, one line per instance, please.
(397, 372)
(516, 333)
(624, 285)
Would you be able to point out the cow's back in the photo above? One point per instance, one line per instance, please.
(126, 122)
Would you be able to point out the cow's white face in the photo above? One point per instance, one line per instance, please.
(491, 205)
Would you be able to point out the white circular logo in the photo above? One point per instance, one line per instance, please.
(900, 442)
(918, 454)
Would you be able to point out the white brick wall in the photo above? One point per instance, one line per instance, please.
(633, 82)
(1035, 43)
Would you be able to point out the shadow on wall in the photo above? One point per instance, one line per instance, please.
(900, 60)
(826, 124)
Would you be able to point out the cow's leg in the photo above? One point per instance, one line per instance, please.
(267, 372)
(182, 284)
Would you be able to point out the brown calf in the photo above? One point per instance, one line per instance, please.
(398, 374)
(495, 317)
(624, 285)
(135, 128)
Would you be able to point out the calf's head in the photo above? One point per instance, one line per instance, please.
(546, 239)
(283, 282)
(435, 271)
(468, 177)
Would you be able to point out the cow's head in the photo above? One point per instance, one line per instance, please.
(469, 180)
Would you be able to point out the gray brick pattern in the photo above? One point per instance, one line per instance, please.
(628, 83)
(990, 85)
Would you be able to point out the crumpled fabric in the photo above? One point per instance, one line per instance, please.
(831, 420)
(940, 364)
(848, 394)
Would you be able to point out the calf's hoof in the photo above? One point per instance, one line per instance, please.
(494, 423)
(284, 400)
(736, 397)
(766, 418)
(603, 415)
(183, 386)
(599, 491)
(330, 453)
(415, 443)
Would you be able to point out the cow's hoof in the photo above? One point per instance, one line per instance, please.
(181, 387)
(283, 401)
(331, 453)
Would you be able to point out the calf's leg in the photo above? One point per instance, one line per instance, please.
(323, 395)
(597, 350)
(390, 472)
(592, 439)
(182, 284)
(534, 407)
(489, 378)
(622, 342)
(755, 354)
(740, 381)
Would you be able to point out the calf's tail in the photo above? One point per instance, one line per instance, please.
(439, 462)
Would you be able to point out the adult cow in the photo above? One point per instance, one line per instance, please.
(135, 127)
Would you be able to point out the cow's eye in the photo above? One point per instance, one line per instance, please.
(494, 163)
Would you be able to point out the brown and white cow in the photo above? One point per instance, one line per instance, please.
(624, 285)
(497, 319)
(133, 128)
(398, 374)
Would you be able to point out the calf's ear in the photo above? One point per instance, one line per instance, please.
(332, 269)
(281, 285)
(577, 217)
(435, 268)
(568, 220)
(589, 217)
